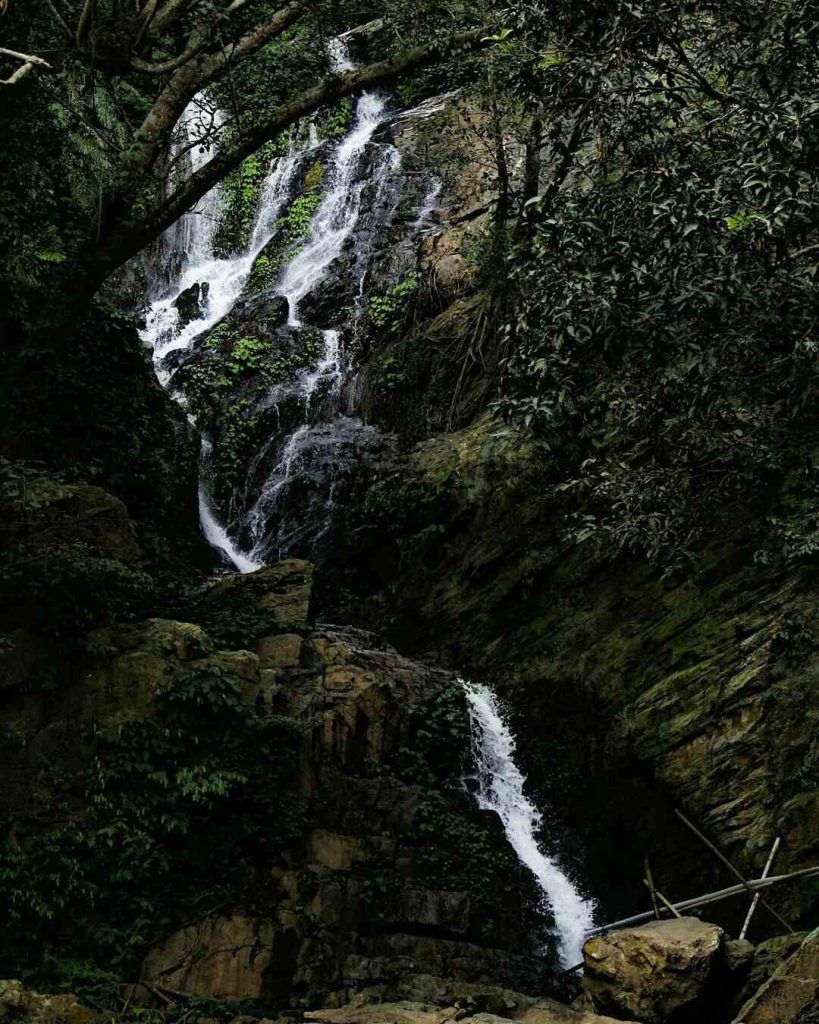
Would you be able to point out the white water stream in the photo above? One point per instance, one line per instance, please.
(220, 282)
(189, 243)
(321, 437)
(501, 789)
(332, 225)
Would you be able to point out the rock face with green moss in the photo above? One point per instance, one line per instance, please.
(695, 693)
(241, 804)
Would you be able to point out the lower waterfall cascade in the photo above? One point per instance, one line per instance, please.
(500, 788)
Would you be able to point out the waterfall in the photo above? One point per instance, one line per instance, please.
(316, 445)
(190, 262)
(501, 789)
(220, 280)
(288, 497)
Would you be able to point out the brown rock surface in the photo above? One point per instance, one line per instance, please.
(663, 971)
(283, 590)
(221, 957)
(344, 908)
(55, 514)
(18, 1003)
(791, 994)
(545, 1011)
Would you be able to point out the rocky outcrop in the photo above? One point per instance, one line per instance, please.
(347, 908)
(791, 995)
(682, 692)
(768, 958)
(18, 1003)
(517, 1008)
(662, 972)
(283, 591)
(385, 884)
(47, 514)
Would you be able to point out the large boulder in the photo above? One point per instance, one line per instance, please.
(662, 973)
(223, 957)
(47, 514)
(282, 590)
(791, 994)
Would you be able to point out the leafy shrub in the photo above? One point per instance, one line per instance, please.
(70, 589)
(180, 809)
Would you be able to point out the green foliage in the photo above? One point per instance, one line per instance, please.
(226, 383)
(69, 589)
(18, 482)
(665, 338)
(438, 742)
(115, 428)
(454, 848)
(389, 312)
(180, 808)
(290, 230)
(234, 622)
(334, 122)
(241, 192)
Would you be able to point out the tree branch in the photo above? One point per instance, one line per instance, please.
(28, 62)
(61, 21)
(132, 238)
(146, 16)
(84, 24)
(257, 37)
(167, 17)
(216, 62)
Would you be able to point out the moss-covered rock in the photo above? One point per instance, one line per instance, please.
(695, 692)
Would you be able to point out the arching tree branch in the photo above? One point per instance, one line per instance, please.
(129, 238)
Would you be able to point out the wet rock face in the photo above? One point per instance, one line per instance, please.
(347, 908)
(664, 972)
(395, 880)
(683, 694)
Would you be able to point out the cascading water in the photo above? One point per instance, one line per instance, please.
(219, 282)
(500, 788)
(318, 441)
(293, 475)
(324, 433)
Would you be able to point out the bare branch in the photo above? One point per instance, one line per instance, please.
(168, 16)
(262, 34)
(28, 62)
(216, 62)
(146, 16)
(61, 21)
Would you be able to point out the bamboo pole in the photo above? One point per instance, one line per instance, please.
(734, 870)
(649, 880)
(755, 900)
(712, 897)
(665, 902)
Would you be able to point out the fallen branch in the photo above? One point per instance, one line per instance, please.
(755, 900)
(28, 62)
